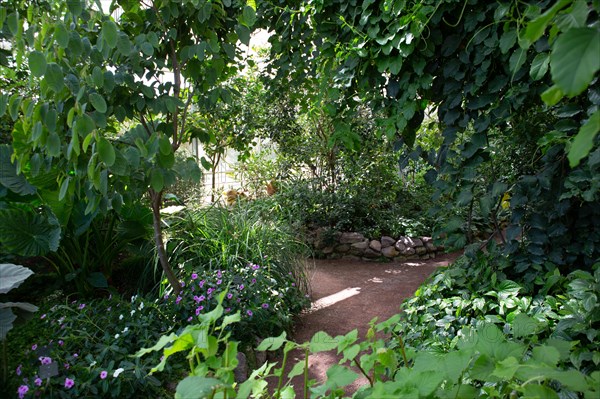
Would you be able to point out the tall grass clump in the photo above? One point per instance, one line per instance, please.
(220, 243)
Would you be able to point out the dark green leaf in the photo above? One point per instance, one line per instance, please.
(574, 59)
(27, 234)
(98, 102)
(37, 63)
(539, 66)
(54, 77)
(84, 125)
(53, 145)
(106, 151)
(157, 181)
(8, 174)
(61, 35)
(110, 33)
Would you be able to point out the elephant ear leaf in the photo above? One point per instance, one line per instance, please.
(8, 174)
(12, 276)
(27, 233)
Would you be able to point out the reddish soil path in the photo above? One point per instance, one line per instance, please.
(370, 290)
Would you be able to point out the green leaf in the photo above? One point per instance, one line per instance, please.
(98, 102)
(539, 66)
(575, 60)
(534, 390)
(84, 125)
(249, 16)
(37, 63)
(8, 174)
(106, 152)
(64, 186)
(535, 29)
(12, 20)
(196, 387)
(110, 33)
(523, 326)
(508, 40)
(27, 233)
(340, 376)
(552, 95)
(272, 343)
(546, 354)
(583, 142)
(53, 145)
(54, 77)
(124, 45)
(7, 317)
(157, 181)
(3, 103)
(322, 342)
(61, 35)
(147, 49)
(97, 280)
(517, 59)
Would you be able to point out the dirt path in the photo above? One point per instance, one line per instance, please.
(347, 294)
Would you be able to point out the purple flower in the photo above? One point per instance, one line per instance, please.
(219, 274)
(241, 287)
(43, 316)
(23, 389)
(38, 382)
(194, 276)
(265, 306)
(67, 366)
(293, 284)
(199, 309)
(103, 374)
(75, 355)
(255, 267)
(69, 383)
(166, 297)
(229, 296)
(249, 313)
(178, 300)
(201, 298)
(81, 306)
(227, 310)
(219, 281)
(189, 319)
(45, 360)
(34, 347)
(201, 283)
(253, 281)
(182, 283)
(18, 370)
(209, 291)
(61, 342)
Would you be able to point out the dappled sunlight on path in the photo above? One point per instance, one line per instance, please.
(347, 294)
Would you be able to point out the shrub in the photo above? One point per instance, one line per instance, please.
(82, 349)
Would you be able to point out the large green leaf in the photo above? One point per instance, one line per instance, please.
(12, 276)
(8, 174)
(27, 233)
(196, 387)
(106, 151)
(575, 59)
(110, 33)
(98, 102)
(584, 140)
(54, 77)
(37, 63)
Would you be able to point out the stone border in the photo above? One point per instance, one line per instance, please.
(336, 245)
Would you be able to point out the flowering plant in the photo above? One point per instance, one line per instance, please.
(82, 349)
(266, 305)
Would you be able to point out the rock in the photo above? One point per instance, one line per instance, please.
(375, 245)
(426, 240)
(369, 253)
(318, 244)
(426, 256)
(389, 252)
(241, 370)
(387, 241)
(342, 248)
(417, 242)
(430, 247)
(408, 241)
(421, 250)
(327, 250)
(408, 251)
(400, 247)
(351, 238)
(351, 257)
(359, 247)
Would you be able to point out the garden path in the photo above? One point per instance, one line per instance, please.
(347, 294)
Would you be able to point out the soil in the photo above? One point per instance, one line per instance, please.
(370, 290)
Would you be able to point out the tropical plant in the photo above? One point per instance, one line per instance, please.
(95, 71)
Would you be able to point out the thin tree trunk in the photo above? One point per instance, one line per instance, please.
(156, 200)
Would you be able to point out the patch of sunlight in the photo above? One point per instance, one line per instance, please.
(333, 299)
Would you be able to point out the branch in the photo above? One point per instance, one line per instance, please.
(183, 121)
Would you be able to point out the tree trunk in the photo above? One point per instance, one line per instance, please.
(156, 200)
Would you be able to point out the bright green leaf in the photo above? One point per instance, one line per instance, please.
(552, 95)
(583, 142)
(539, 66)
